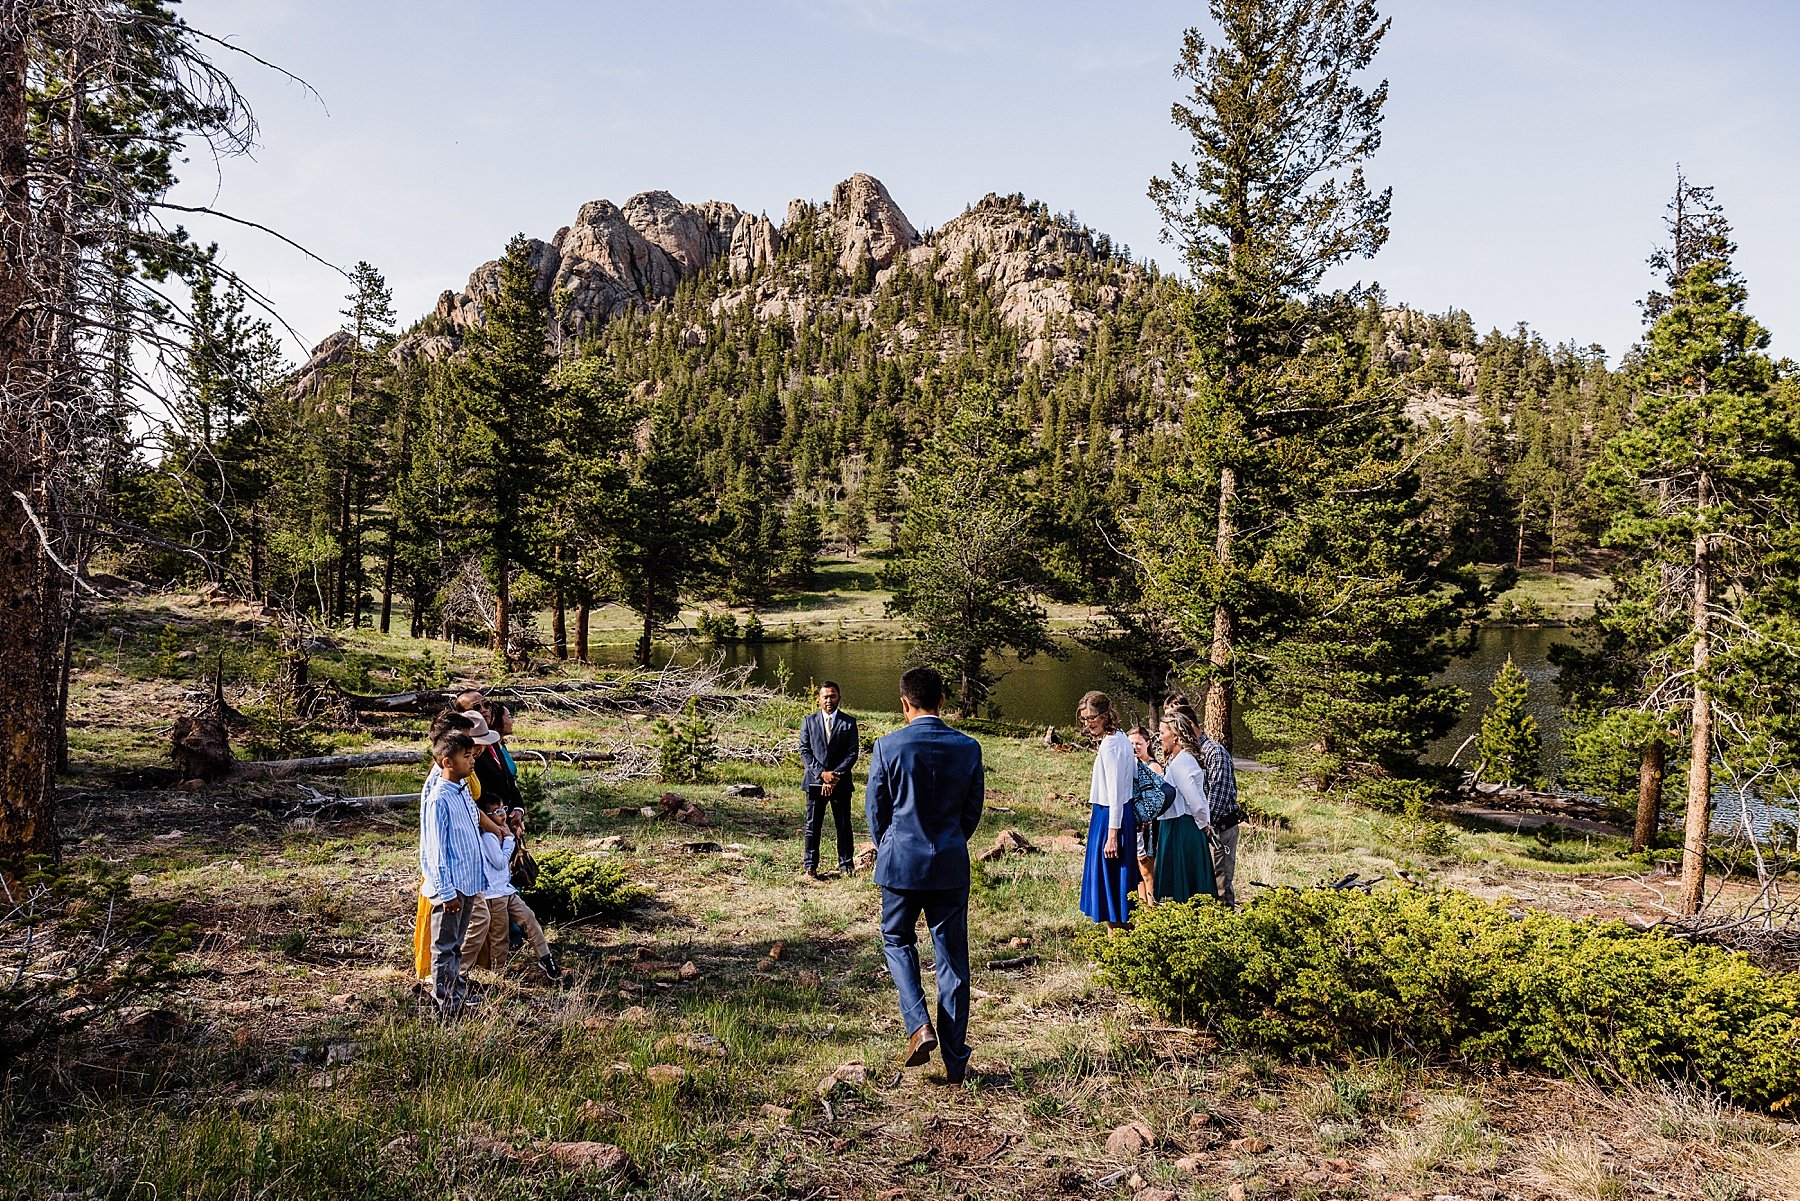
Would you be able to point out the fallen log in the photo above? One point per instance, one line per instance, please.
(320, 764)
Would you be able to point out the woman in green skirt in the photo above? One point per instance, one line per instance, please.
(1184, 866)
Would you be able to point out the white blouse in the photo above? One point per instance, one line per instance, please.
(1114, 768)
(1189, 777)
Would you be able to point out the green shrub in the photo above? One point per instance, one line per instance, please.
(1322, 974)
(753, 628)
(1410, 797)
(572, 886)
(686, 747)
(717, 627)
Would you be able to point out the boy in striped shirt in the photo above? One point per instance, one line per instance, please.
(450, 863)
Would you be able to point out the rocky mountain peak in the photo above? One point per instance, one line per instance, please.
(870, 226)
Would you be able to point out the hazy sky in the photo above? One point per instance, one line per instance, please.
(1531, 144)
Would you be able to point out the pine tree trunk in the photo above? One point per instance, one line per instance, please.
(502, 606)
(27, 624)
(387, 579)
(256, 588)
(1650, 785)
(643, 646)
(1218, 692)
(581, 632)
(559, 628)
(1699, 800)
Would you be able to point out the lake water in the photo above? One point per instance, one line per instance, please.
(1044, 691)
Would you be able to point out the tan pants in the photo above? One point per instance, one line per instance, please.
(492, 923)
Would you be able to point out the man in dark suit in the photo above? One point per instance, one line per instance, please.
(828, 749)
(924, 801)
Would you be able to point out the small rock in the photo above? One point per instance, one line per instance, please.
(665, 1073)
(847, 1075)
(1067, 844)
(776, 1112)
(1188, 1165)
(751, 791)
(1018, 944)
(1236, 1193)
(634, 1015)
(1155, 1194)
(342, 1052)
(697, 1044)
(592, 1157)
(865, 858)
(1249, 1145)
(1198, 1119)
(647, 811)
(689, 971)
(186, 654)
(154, 1025)
(777, 950)
(613, 842)
(614, 813)
(1136, 1182)
(596, 1113)
(1342, 1167)
(808, 979)
(1130, 1140)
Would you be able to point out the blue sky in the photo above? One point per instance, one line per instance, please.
(1531, 145)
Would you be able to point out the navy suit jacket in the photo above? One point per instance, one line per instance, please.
(924, 801)
(838, 754)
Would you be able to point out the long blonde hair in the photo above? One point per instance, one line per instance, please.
(1187, 730)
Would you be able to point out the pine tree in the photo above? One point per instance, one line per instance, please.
(1275, 196)
(1509, 745)
(658, 544)
(965, 574)
(507, 401)
(801, 542)
(1702, 487)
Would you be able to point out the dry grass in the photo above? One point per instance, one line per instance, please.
(303, 944)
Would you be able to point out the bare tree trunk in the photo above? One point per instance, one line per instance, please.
(1219, 691)
(1699, 799)
(502, 606)
(27, 578)
(1650, 786)
(387, 578)
(643, 646)
(559, 626)
(581, 632)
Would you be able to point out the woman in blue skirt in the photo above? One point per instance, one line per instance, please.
(1184, 867)
(1111, 873)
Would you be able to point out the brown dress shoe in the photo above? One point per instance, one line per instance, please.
(919, 1049)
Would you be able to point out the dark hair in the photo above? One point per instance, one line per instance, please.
(831, 684)
(1102, 706)
(1179, 703)
(495, 712)
(463, 703)
(449, 743)
(447, 722)
(923, 688)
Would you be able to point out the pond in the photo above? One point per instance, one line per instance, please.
(1044, 691)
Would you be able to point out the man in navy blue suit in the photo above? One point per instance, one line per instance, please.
(924, 801)
(829, 745)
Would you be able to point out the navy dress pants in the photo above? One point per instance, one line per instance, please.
(946, 912)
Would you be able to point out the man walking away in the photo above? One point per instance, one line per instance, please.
(828, 749)
(924, 801)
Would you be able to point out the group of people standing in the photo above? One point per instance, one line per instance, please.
(471, 846)
(1160, 830)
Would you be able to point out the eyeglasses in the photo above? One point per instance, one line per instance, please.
(1087, 717)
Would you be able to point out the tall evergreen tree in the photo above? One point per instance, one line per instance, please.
(507, 399)
(965, 573)
(364, 409)
(659, 543)
(1702, 484)
(1280, 125)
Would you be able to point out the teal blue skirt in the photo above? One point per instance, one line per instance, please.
(1184, 866)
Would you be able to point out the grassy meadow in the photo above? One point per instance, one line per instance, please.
(296, 1059)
